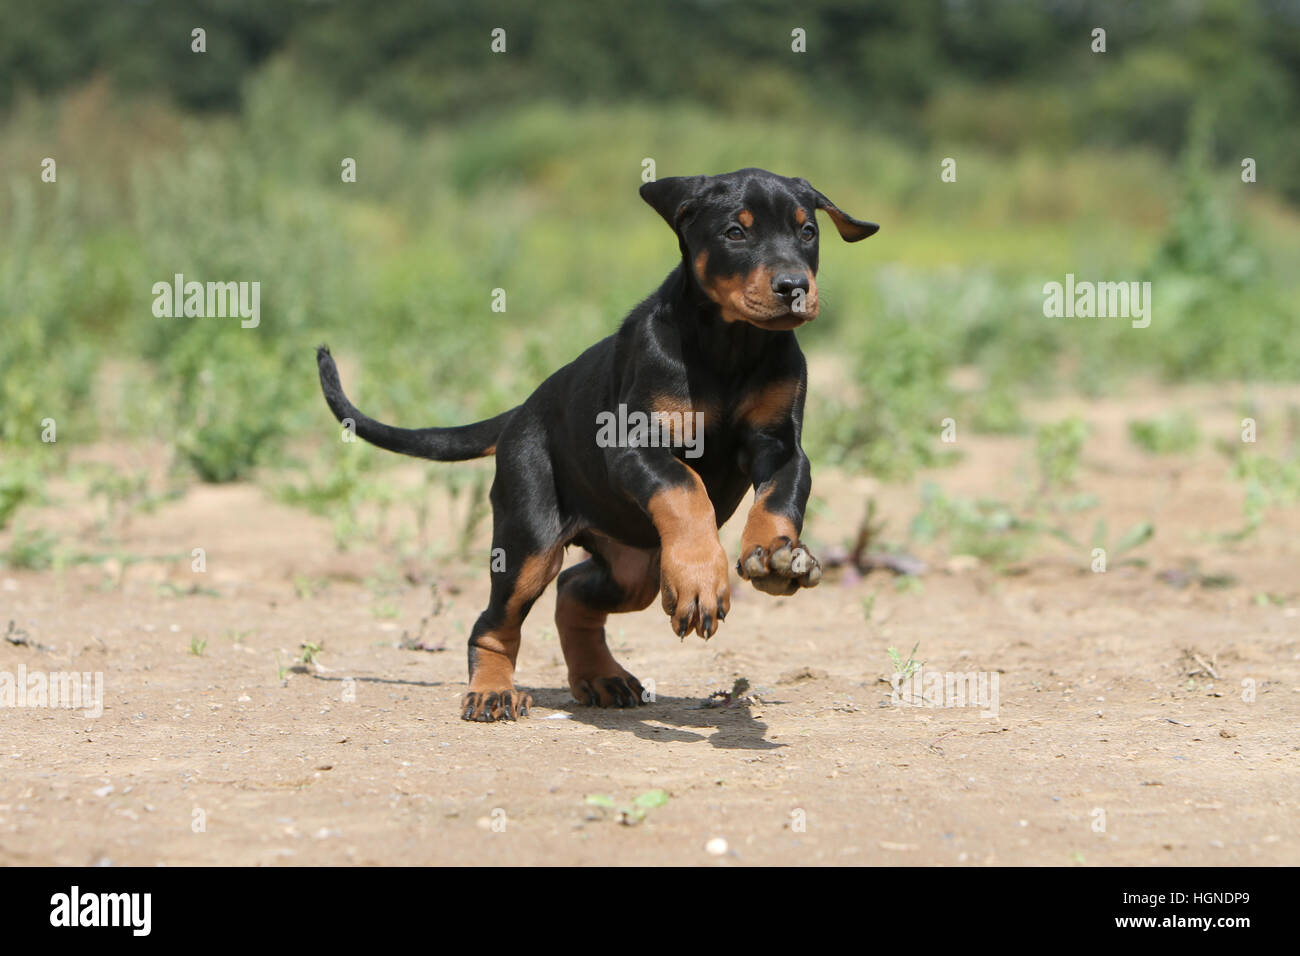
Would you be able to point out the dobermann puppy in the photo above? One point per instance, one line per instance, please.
(714, 344)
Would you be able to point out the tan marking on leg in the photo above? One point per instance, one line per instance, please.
(694, 569)
(762, 527)
(582, 628)
(497, 650)
(537, 571)
(494, 660)
(772, 558)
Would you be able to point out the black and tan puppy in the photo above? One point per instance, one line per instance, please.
(713, 345)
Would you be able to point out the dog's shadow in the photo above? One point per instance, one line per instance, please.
(687, 719)
(732, 728)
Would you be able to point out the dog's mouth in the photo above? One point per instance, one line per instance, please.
(784, 317)
(749, 298)
(768, 311)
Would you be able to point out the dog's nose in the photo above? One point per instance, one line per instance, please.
(785, 284)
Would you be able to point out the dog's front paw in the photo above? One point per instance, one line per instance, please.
(489, 705)
(783, 567)
(696, 588)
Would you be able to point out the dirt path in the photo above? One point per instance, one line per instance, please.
(1112, 744)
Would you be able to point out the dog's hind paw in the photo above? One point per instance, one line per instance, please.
(619, 690)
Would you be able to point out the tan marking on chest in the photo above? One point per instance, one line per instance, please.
(769, 404)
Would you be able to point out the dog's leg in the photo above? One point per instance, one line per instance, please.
(494, 641)
(772, 557)
(527, 554)
(694, 574)
(693, 569)
(614, 580)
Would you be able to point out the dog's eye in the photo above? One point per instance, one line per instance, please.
(807, 232)
(735, 233)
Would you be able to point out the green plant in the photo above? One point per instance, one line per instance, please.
(633, 813)
(1057, 449)
(904, 668)
(232, 397)
(31, 548)
(307, 587)
(20, 483)
(1170, 435)
(1135, 537)
(1269, 483)
(988, 529)
(909, 584)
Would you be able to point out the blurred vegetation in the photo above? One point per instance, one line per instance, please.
(519, 171)
(1005, 73)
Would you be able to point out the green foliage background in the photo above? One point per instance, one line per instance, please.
(519, 171)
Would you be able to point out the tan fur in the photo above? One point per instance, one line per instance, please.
(582, 628)
(749, 298)
(769, 404)
(762, 527)
(496, 651)
(693, 567)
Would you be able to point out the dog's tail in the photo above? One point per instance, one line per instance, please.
(440, 444)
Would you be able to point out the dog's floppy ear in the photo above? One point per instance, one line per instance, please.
(671, 196)
(850, 229)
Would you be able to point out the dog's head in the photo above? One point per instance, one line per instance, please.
(749, 239)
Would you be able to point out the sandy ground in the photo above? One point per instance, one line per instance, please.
(1111, 743)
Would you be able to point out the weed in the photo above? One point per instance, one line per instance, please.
(1171, 435)
(32, 549)
(1057, 449)
(905, 668)
(633, 813)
